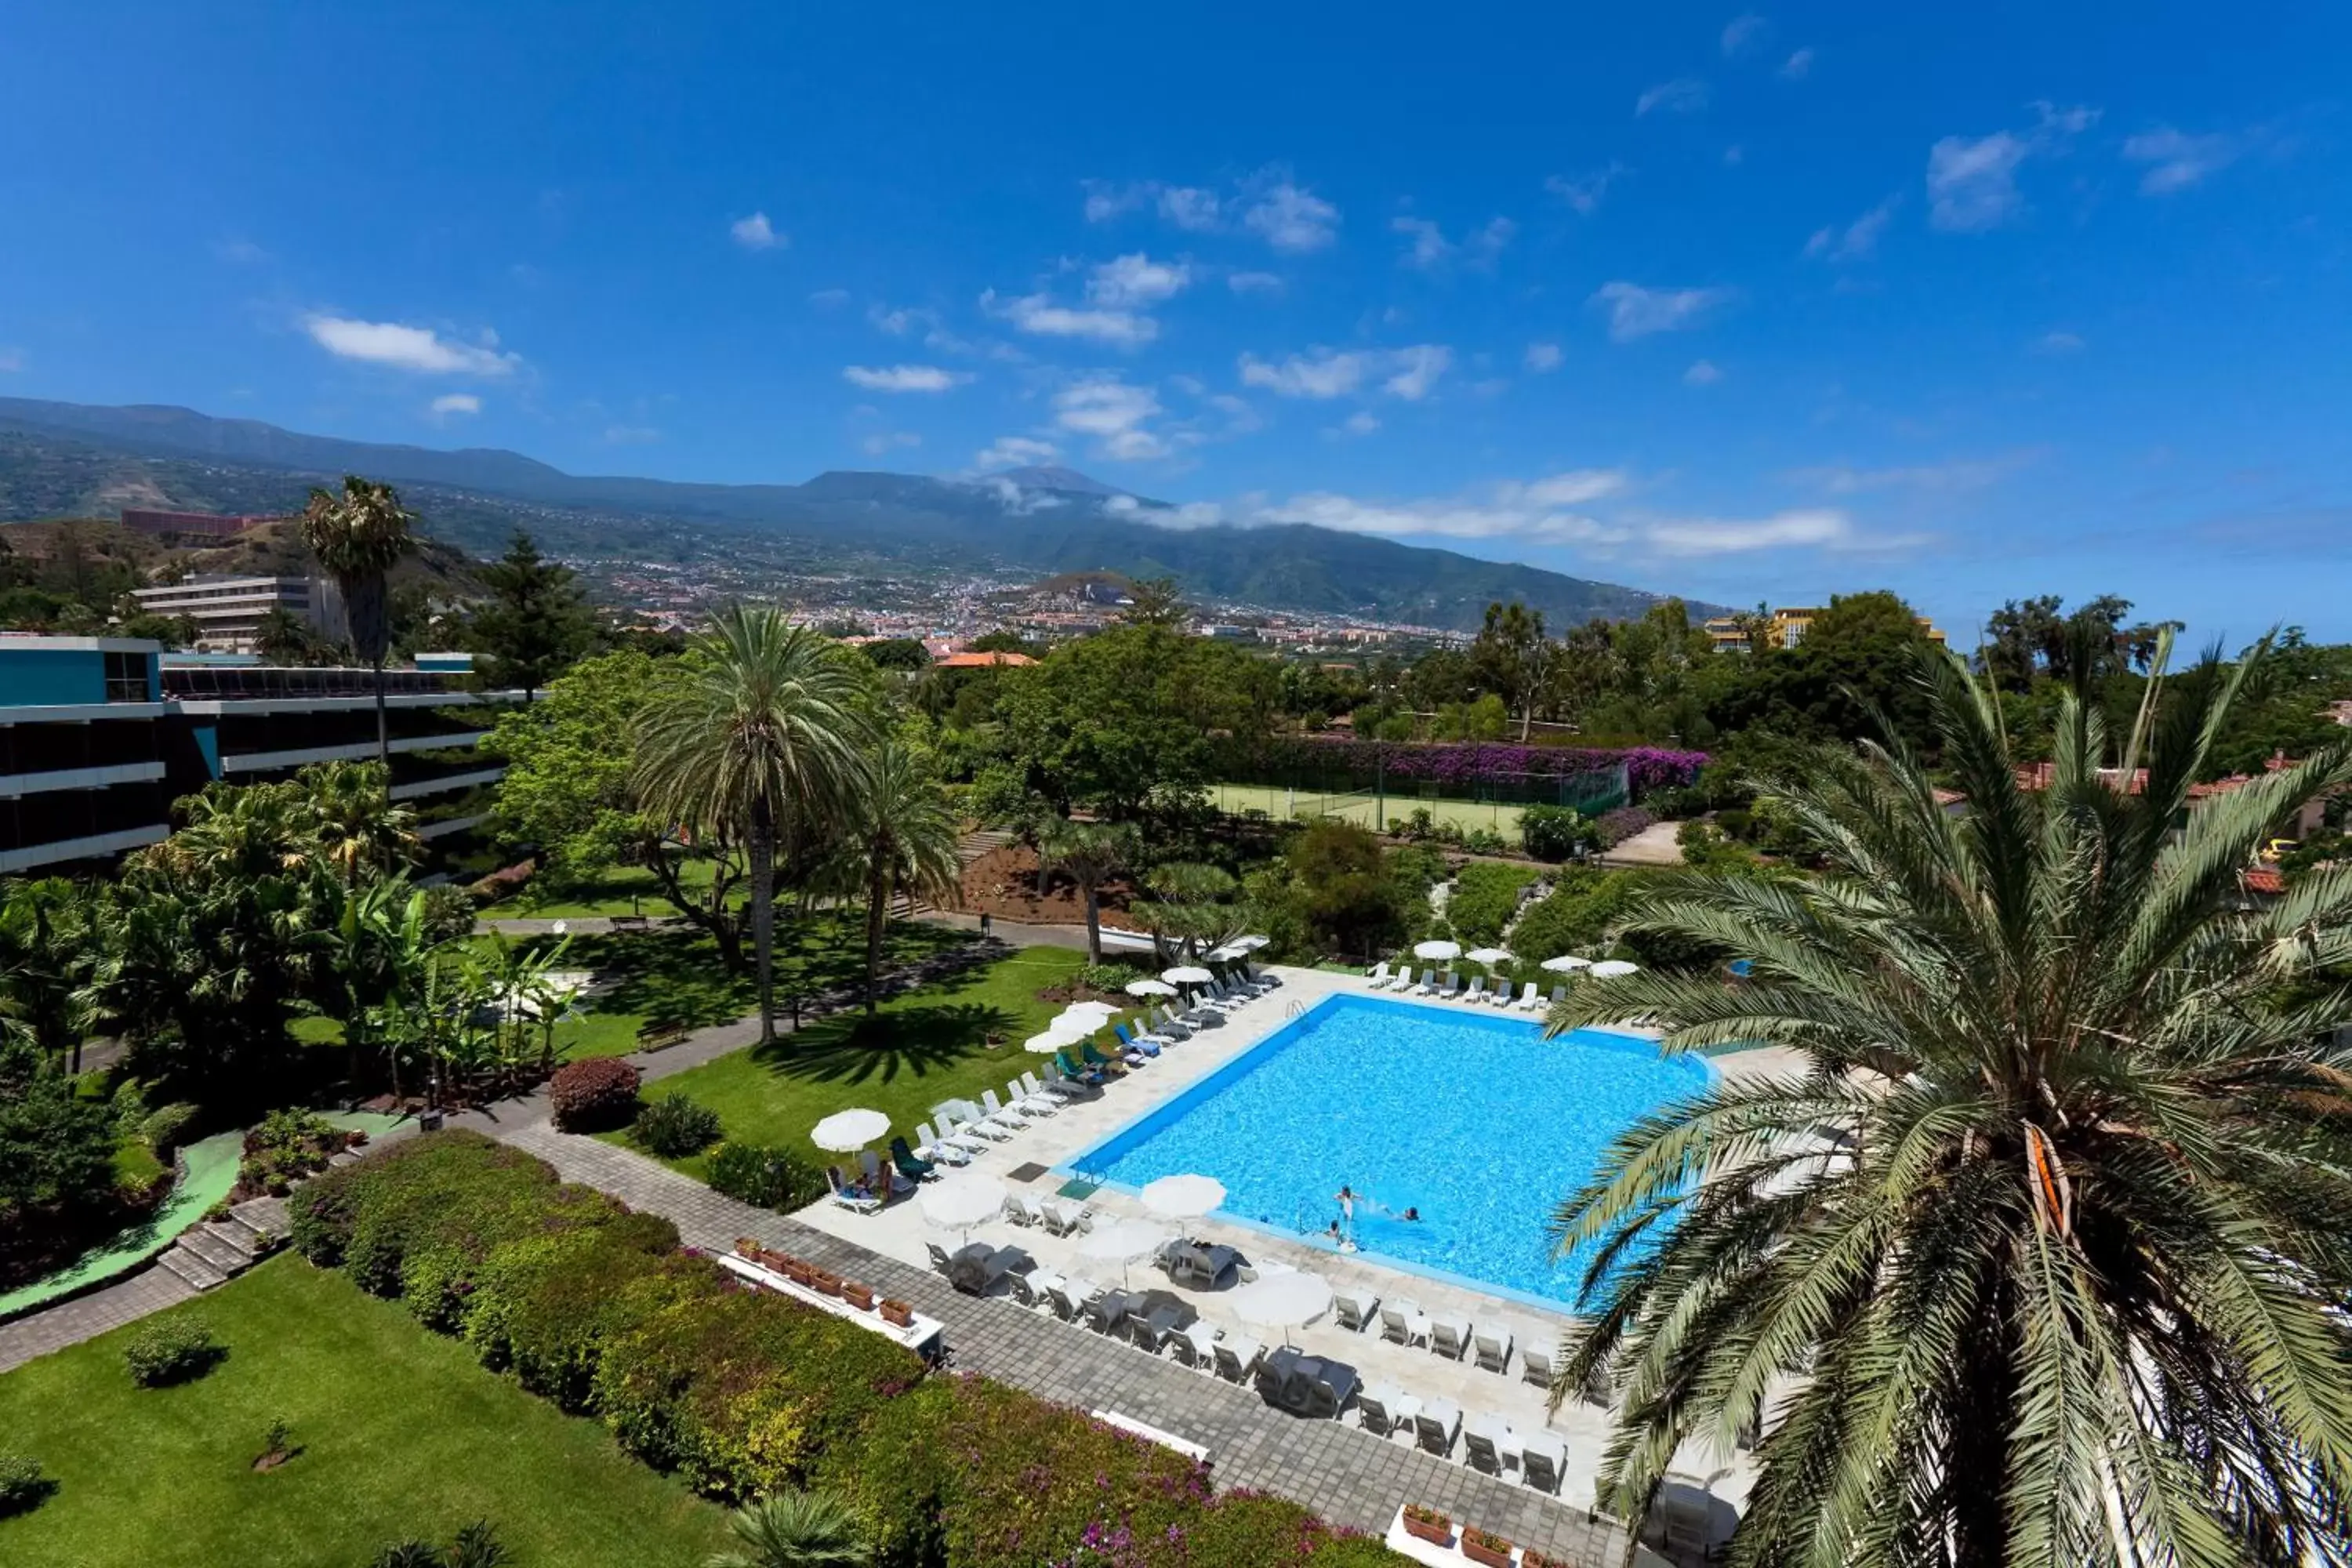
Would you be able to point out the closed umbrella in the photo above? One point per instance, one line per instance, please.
(1565, 963)
(1121, 1242)
(846, 1131)
(1149, 987)
(1281, 1302)
(1610, 968)
(1186, 974)
(1184, 1197)
(961, 1202)
(1442, 951)
(1487, 955)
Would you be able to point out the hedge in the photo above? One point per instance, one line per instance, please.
(1486, 895)
(740, 1391)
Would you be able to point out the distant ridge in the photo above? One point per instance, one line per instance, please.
(67, 459)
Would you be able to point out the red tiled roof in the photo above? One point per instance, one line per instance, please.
(983, 661)
(2266, 879)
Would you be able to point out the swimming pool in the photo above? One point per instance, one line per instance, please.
(1475, 1120)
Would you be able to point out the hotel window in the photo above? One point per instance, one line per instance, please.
(126, 677)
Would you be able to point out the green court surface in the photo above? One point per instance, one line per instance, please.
(211, 1173)
(1363, 806)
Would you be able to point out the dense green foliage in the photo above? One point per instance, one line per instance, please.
(1485, 896)
(172, 1351)
(773, 1178)
(24, 1485)
(535, 624)
(673, 1126)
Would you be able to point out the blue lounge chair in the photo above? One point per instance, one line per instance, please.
(1144, 1043)
(1072, 1070)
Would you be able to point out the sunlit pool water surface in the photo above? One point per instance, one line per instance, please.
(1473, 1118)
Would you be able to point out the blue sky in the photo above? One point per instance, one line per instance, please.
(1743, 304)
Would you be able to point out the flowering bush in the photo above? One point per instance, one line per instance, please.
(594, 1095)
(1616, 827)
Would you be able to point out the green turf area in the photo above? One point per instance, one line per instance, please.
(401, 1432)
(921, 1048)
(211, 1172)
(617, 891)
(1466, 814)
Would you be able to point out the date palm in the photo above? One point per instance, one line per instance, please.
(795, 1530)
(359, 826)
(1089, 854)
(2041, 1258)
(358, 536)
(762, 741)
(899, 837)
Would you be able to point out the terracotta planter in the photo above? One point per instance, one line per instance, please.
(825, 1282)
(1438, 1530)
(858, 1296)
(746, 1248)
(1493, 1551)
(898, 1313)
(796, 1271)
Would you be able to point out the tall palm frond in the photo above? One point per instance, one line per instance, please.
(762, 740)
(2038, 1258)
(795, 1530)
(358, 536)
(1089, 854)
(899, 836)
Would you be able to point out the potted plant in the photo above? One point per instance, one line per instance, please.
(796, 1271)
(857, 1295)
(747, 1248)
(1425, 1523)
(824, 1281)
(898, 1313)
(1531, 1558)
(1486, 1546)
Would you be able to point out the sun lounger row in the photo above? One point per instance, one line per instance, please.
(1446, 987)
(1488, 1442)
(1450, 1335)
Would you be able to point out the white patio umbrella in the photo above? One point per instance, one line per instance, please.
(1122, 1242)
(1081, 1020)
(1610, 968)
(1184, 1197)
(1281, 1302)
(1187, 974)
(1443, 950)
(1250, 943)
(846, 1131)
(1487, 955)
(961, 1202)
(1565, 963)
(1148, 987)
(1056, 1038)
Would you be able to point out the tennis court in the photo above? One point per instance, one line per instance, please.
(1364, 807)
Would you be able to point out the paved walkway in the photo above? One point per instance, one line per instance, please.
(1342, 1472)
(87, 1317)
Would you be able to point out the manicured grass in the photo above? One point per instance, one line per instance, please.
(620, 891)
(401, 1433)
(920, 1047)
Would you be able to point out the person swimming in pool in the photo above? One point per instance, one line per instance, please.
(1346, 1202)
(1411, 1213)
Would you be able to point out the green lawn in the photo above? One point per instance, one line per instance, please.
(618, 890)
(401, 1431)
(922, 1048)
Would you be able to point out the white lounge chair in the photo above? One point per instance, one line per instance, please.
(1033, 1092)
(1528, 999)
(1542, 1461)
(998, 1112)
(1488, 1441)
(1451, 989)
(995, 1131)
(1540, 1362)
(1477, 992)
(1384, 1408)
(1171, 1027)
(1063, 1218)
(1030, 1103)
(1436, 1424)
(1558, 995)
(1379, 976)
(1403, 1322)
(1354, 1310)
(948, 1150)
(841, 1194)
(1493, 1342)
(1398, 980)
(1060, 1087)
(1449, 1336)
(1238, 1358)
(1197, 1346)
(1428, 983)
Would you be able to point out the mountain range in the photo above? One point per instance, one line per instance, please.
(79, 459)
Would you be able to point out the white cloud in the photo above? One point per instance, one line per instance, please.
(1542, 357)
(1684, 95)
(2058, 343)
(1636, 312)
(903, 377)
(1190, 207)
(1254, 283)
(1582, 192)
(1362, 422)
(1431, 249)
(1958, 476)
(1972, 183)
(1856, 240)
(900, 322)
(1505, 512)
(1016, 452)
(1037, 314)
(1798, 66)
(1820, 526)
(1291, 218)
(1417, 370)
(418, 349)
(1742, 33)
(1702, 373)
(755, 233)
(450, 403)
(1136, 280)
(1115, 414)
(2177, 160)
(1186, 206)
(1577, 487)
(885, 441)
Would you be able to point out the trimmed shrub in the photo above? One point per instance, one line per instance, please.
(594, 1095)
(175, 1350)
(1553, 832)
(1107, 978)
(674, 1126)
(772, 1178)
(1574, 916)
(1485, 896)
(166, 1127)
(543, 1306)
(23, 1487)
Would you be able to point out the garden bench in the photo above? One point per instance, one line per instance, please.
(660, 1033)
(629, 922)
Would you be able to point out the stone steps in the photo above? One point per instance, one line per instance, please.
(212, 1253)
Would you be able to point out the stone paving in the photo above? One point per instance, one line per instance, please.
(1346, 1474)
(87, 1317)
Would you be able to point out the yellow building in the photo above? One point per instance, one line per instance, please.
(1786, 628)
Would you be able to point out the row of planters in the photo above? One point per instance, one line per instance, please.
(745, 1394)
(1483, 1546)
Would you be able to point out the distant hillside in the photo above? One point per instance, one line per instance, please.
(270, 550)
(62, 458)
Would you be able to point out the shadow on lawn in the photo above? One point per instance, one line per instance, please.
(676, 972)
(877, 1051)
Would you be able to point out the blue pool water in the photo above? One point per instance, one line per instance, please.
(1475, 1120)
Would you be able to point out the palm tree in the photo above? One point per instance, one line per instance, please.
(357, 536)
(900, 836)
(1090, 853)
(795, 1530)
(762, 740)
(47, 948)
(2041, 1260)
(358, 825)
